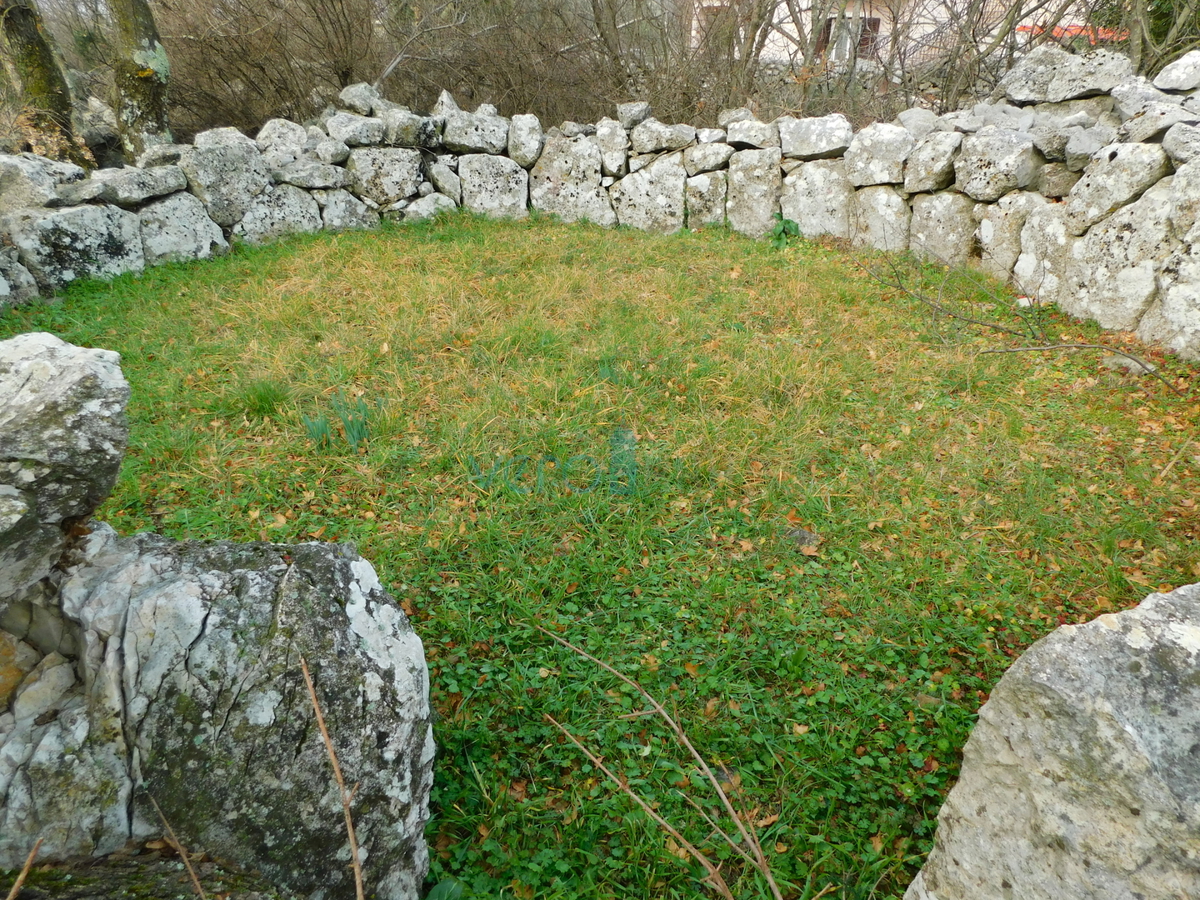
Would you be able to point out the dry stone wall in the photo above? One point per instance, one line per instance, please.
(1079, 182)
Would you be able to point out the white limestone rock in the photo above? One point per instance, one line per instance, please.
(331, 152)
(130, 187)
(354, 130)
(28, 181)
(223, 137)
(942, 228)
(312, 175)
(1080, 779)
(565, 182)
(62, 436)
(58, 246)
(819, 198)
(1119, 174)
(360, 98)
(817, 137)
(630, 115)
(930, 166)
(342, 211)
(428, 207)
(880, 219)
(446, 181)
(17, 284)
(1182, 143)
(918, 122)
(652, 136)
(282, 141)
(1046, 245)
(445, 105)
(1153, 120)
(494, 186)
(613, 141)
(1083, 145)
(1185, 200)
(283, 210)
(226, 178)
(877, 155)
(651, 199)
(1056, 180)
(177, 228)
(706, 158)
(1181, 75)
(752, 134)
(1050, 74)
(755, 183)
(403, 128)
(1134, 94)
(473, 133)
(994, 161)
(710, 135)
(704, 199)
(384, 175)
(525, 139)
(999, 231)
(1173, 319)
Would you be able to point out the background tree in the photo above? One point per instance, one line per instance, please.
(141, 75)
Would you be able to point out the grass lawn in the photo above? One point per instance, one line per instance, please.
(626, 439)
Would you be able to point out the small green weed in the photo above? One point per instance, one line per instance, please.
(261, 398)
(319, 431)
(781, 231)
(354, 416)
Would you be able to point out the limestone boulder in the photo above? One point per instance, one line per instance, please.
(473, 133)
(177, 228)
(816, 137)
(651, 199)
(877, 155)
(1056, 180)
(1182, 143)
(1116, 176)
(28, 181)
(999, 231)
(429, 207)
(1046, 245)
(1080, 779)
(58, 246)
(446, 181)
(710, 135)
(706, 157)
(223, 137)
(283, 210)
(755, 182)
(1173, 319)
(880, 219)
(704, 198)
(312, 175)
(525, 140)
(62, 436)
(281, 141)
(930, 166)
(633, 114)
(652, 136)
(918, 122)
(1152, 121)
(819, 198)
(384, 175)
(226, 178)
(494, 186)
(360, 98)
(402, 128)
(1185, 200)
(127, 187)
(994, 161)
(1181, 75)
(17, 284)
(1050, 74)
(342, 211)
(1084, 144)
(613, 141)
(565, 182)
(331, 152)
(942, 228)
(354, 130)
(727, 117)
(751, 134)
(1133, 95)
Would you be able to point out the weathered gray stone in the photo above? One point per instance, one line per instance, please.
(471, 133)
(331, 152)
(359, 98)
(630, 115)
(1041, 269)
(706, 157)
(1116, 176)
(1134, 94)
(1182, 143)
(1185, 200)
(1152, 120)
(58, 246)
(445, 105)
(1173, 319)
(994, 161)
(877, 155)
(613, 141)
(710, 135)
(704, 197)
(446, 180)
(727, 117)
(1050, 74)
(282, 140)
(651, 199)
(1112, 273)
(1079, 780)
(130, 187)
(384, 175)
(283, 210)
(1083, 145)
(28, 181)
(575, 129)
(226, 178)
(752, 134)
(403, 128)
(918, 122)
(1051, 140)
(17, 284)
(429, 207)
(930, 166)
(163, 155)
(1181, 75)
(942, 228)
(1056, 180)
(342, 211)
(755, 182)
(312, 175)
(355, 130)
(652, 136)
(566, 182)
(62, 436)
(525, 140)
(176, 228)
(999, 232)
(494, 186)
(223, 137)
(880, 219)
(819, 198)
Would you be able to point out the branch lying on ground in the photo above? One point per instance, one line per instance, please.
(178, 848)
(16, 888)
(346, 795)
(748, 835)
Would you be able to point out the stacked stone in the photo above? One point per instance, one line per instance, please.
(1076, 182)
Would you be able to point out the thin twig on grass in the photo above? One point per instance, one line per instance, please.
(1146, 367)
(346, 795)
(748, 835)
(16, 888)
(1174, 459)
(178, 848)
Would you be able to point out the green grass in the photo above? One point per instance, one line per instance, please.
(611, 435)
